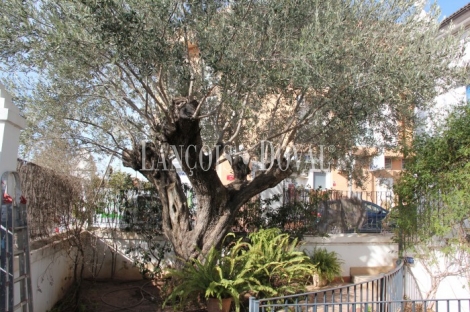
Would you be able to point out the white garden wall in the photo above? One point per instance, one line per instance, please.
(51, 266)
(52, 270)
(122, 241)
(51, 275)
(358, 251)
(107, 260)
(455, 281)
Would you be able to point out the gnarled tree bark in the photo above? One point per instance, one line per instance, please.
(217, 204)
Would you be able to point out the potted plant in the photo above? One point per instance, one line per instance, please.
(328, 266)
(216, 278)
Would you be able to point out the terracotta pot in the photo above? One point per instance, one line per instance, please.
(213, 305)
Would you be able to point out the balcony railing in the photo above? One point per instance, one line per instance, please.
(297, 211)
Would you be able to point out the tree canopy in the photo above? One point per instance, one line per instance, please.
(210, 77)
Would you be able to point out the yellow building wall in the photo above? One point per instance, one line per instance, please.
(372, 178)
(338, 181)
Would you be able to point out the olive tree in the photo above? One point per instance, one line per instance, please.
(203, 81)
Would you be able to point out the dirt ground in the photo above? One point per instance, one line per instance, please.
(138, 296)
(110, 296)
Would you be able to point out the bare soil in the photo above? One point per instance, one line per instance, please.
(112, 295)
(138, 296)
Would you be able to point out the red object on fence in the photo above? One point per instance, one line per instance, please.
(23, 200)
(7, 199)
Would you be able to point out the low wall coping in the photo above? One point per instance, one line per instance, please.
(353, 238)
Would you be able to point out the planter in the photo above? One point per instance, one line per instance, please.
(318, 281)
(213, 305)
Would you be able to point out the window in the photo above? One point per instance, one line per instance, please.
(388, 163)
(377, 163)
(319, 180)
(403, 163)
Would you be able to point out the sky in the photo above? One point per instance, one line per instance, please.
(448, 7)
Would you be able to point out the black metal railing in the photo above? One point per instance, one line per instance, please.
(385, 199)
(137, 210)
(300, 211)
(130, 209)
(297, 211)
(394, 291)
(388, 292)
(441, 305)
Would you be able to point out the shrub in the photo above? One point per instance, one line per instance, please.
(216, 276)
(277, 267)
(328, 263)
(268, 264)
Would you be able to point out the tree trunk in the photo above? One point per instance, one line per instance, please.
(216, 205)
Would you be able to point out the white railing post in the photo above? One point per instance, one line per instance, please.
(11, 123)
(253, 305)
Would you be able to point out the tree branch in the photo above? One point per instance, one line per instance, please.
(196, 112)
(240, 121)
(96, 126)
(149, 91)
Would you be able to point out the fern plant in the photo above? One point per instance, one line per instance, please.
(216, 276)
(328, 264)
(268, 265)
(277, 267)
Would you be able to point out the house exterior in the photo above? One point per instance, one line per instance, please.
(436, 116)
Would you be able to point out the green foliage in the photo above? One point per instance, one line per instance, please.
(355, 51)
(328, 263)
(297, 216)
(120, 181)
(267, 264)
(275, 263)
(108, 75)
(434, 193)
(216, 276)
(300, 215)
(255, 214)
